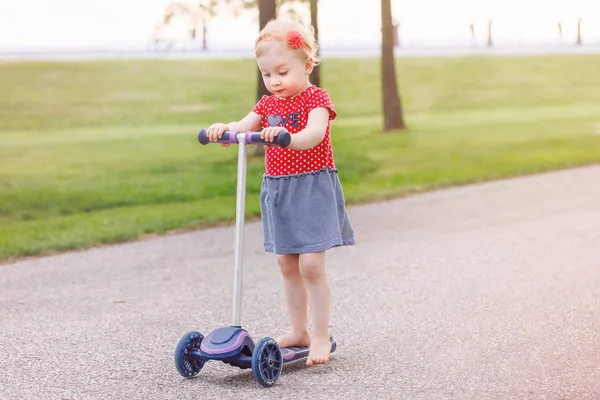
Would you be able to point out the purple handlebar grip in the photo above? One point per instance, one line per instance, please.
(228, 137)
(282, 140)
(202, 138)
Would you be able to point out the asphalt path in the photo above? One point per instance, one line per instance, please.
(487, 291)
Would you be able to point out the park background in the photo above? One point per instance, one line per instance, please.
(104, 149)
(41, 26)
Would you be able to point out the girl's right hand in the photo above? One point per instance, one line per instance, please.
(215, 132)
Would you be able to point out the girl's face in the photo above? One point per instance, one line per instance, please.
(284, 73)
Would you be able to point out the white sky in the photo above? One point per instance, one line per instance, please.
(122, 23)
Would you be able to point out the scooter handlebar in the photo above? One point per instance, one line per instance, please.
(283, 139)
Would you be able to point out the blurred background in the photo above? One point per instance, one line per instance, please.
(101, 103)
(134, 26)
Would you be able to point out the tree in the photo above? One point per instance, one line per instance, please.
(197, 15)
(267, 10)
(392, 108)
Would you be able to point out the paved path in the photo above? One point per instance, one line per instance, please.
(481, 292)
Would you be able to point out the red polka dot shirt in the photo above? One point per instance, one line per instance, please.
(292, 113)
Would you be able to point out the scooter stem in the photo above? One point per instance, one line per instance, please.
(240, 211)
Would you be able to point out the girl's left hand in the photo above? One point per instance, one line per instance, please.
(269, 133)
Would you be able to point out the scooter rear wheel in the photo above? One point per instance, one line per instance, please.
(267, 362)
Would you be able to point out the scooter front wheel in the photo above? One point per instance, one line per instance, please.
(188, 365)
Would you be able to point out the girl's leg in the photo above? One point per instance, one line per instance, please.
(296, 303)
(312, 268)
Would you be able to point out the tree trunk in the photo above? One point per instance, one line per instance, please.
(315, 76)
(392, 109)
(267, 10)
(204, 34)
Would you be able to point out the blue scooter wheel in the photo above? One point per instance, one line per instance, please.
(188, 365)
(267, 362)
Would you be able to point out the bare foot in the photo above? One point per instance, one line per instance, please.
(294, 339)
(319, 351)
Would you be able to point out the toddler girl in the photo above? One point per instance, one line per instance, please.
(302, 203)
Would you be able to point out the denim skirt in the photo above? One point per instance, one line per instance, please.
(304, 213)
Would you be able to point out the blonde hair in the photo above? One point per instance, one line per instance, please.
(278, 29)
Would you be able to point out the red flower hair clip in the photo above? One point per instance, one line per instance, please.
(295, 39)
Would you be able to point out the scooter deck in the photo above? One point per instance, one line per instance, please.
(234, 345)
(296, 353)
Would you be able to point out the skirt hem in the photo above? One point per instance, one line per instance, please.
(310, 248)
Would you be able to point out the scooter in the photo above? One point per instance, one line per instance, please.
(233, 344)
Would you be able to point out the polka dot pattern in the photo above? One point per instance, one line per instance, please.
(292, 113)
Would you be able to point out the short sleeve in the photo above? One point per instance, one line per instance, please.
(259, 108)
(320, 98)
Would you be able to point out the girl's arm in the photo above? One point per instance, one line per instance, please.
(313, 134)
(250, 123)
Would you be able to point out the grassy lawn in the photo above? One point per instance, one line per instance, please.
(101, 152)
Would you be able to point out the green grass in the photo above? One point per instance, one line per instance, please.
(101, 152)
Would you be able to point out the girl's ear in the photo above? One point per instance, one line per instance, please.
(308, 66)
